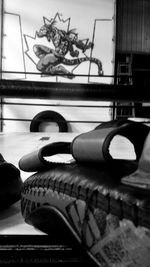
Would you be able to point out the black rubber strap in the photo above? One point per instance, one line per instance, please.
(34, 161)
(93, 146)
(88, 146)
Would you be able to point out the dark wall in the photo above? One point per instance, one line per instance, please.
(133, 26)
(133, 43)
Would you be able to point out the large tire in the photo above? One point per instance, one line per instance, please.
(48, 116)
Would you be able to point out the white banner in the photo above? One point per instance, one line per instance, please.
(59, 40)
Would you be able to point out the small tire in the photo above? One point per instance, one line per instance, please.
(48, 116)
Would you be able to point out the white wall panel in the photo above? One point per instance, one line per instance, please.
(78, 118)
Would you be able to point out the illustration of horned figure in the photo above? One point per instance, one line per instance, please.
(51, 60)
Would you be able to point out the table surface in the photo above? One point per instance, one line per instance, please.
(15, 145)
